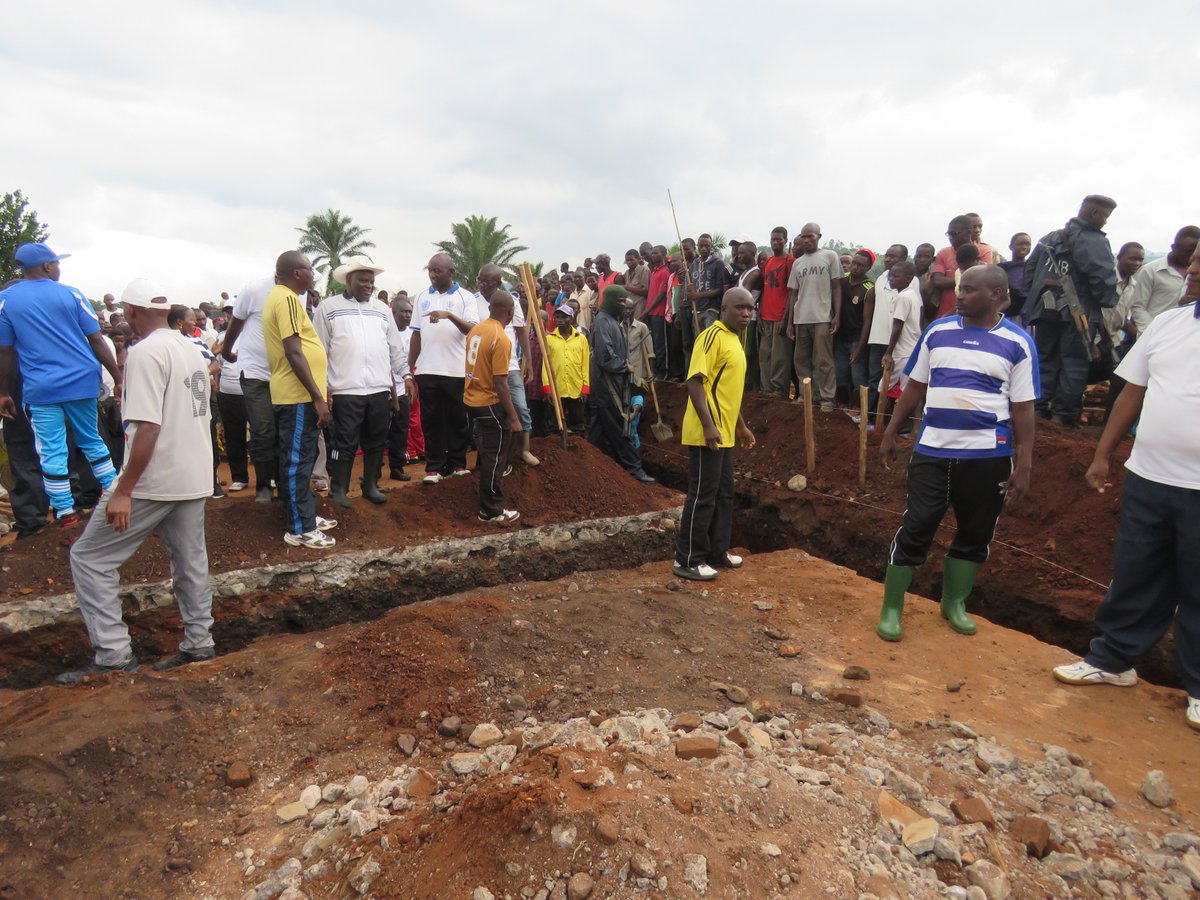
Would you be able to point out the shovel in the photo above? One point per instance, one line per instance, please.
(660, 429)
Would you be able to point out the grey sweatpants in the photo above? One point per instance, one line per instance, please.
(100, 552)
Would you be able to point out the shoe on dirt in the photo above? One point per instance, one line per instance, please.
(460, 473)
(400, 475)
(731, 561)
(264, 494)
(185, 657)
(67, 520)
(237, 486)
(432, 478)
(1193, 712)
(314, 540)
(702, 572)
(1083, 672)
(506, 517)
(325, 524)
(130, 665)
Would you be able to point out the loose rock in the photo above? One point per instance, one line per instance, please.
(311, 796)
(449, 726)
(291, 812)
(580, 886)
(973, 809)
(406, 743)
(797, 483)
(1157, 790)
(919, 837)
(564, 836)
(238, 775)
(697, 746)
(1032, 832)
(695, 872)
(484, 735)
(856, 673)
(608, 829)
(990, 878)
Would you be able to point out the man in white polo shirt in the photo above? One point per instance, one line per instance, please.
(978, 375)
(161, 491)
(244, 344)
(1156, 572)
(365, 356)
(443, 314)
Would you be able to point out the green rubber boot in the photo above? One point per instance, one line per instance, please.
(958, 577)
(895, 583)
(339, 481)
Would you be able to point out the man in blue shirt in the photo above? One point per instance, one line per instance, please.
(55, 336)
(978, 375)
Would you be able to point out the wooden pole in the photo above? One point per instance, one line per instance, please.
(810, 444)
(535, 313)
(687, 285)
(862, 435)
(881, 403)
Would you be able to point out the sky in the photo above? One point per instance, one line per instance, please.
(186, 141)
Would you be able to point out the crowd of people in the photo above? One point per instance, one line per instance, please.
(126, 409)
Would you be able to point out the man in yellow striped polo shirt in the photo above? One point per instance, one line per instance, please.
(711, 424)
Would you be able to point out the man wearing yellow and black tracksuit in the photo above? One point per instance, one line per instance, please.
(713, 420)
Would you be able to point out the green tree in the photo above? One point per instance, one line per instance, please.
(329, 237)
(477, 242)
(18, 225)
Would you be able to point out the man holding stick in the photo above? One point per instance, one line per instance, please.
(978, 373)
(713, 420)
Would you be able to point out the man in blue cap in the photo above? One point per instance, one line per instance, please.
(56, 338)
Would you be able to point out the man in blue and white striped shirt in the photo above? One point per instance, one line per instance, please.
(978, 375)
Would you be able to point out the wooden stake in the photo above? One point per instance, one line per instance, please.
(810, 444)
(687, 285)
(535, 313)
(881, 403)
(862, 436)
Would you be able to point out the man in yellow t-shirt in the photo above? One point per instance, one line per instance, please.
(489, 404)
(711, 424)
(569, 355)
(297, 361)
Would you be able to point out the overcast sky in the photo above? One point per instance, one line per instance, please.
(185, 140)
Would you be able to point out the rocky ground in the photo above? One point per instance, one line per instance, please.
(614, 733)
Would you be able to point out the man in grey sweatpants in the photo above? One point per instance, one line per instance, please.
(160, 491)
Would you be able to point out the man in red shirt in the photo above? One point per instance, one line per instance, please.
(774, 349)
(656, 308)
(945, 264)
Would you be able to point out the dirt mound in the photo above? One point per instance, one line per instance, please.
(572, 483)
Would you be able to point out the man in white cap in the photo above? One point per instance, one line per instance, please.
(55, 336)
(161, 491)
(365, 355)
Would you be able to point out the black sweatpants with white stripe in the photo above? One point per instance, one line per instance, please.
(706, 528)
(495, 448)
(973, 487)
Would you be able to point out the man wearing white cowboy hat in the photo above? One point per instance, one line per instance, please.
(365, 356)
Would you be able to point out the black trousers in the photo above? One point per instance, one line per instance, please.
(397, 438)
(608, 433)
(297, 425)
(658, 335)
(444, 421)
(358, 419)
(31, 509)
(112, 431)
(495, 450)
(575, 414)
(233, 416)
(256, 394)
(973, 487)
(1063, 361)
(707, 524)
(675, 367)
(1156, 580)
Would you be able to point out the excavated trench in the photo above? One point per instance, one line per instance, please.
(805, 524)
(296, 601)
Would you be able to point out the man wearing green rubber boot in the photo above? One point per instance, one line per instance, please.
(978, 375)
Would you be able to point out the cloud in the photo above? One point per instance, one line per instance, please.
(187, 140)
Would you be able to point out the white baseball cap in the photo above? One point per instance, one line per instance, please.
(145, 293)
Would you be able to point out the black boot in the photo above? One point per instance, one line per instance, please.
(264, 474)
(339, 480)
(372, 464)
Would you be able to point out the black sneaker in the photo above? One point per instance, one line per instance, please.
(400, 475)
(264, 494)
(130, 665)
(185, 657)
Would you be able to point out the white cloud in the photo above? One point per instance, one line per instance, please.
(187, 140)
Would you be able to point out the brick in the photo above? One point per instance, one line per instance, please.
(238, 775)
(700, 746)
(1033, 833)
(971, 810)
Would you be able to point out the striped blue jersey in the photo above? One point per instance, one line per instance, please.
(973, 374)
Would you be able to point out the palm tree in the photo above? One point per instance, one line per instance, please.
(330, 236)
(477, 242)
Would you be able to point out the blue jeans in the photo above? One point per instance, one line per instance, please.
(849, 374)
(49, 424)
(516, 387)
(1156, 580)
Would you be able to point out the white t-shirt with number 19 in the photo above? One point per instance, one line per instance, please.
(166, 383)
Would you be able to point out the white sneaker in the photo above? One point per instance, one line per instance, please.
(1193, 713)
(431, 478)
(506, 517)
(460, 473)
(320, 484)
(237, 486)
(702, 572)
(314, 540)
(733, 561)
(326, 524)
(1085, 673)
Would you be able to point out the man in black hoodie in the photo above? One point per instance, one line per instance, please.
(1079, 253)
(610, 385)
